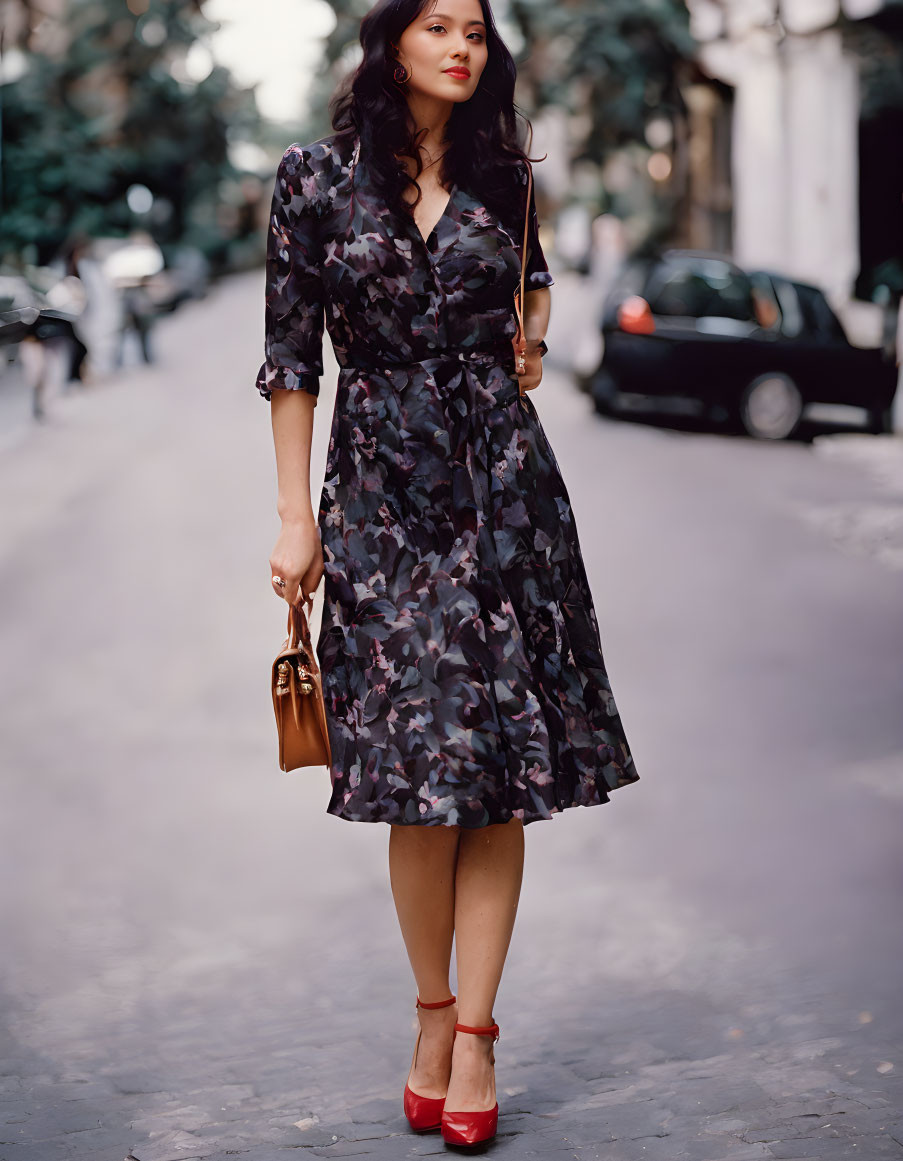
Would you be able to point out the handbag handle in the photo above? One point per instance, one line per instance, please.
(298, 627)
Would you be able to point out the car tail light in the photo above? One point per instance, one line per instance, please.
(635, 316)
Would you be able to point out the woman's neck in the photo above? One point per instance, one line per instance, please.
(429, 117)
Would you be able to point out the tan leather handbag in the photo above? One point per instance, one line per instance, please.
(298, 696)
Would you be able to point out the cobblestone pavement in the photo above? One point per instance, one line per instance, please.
(198, 962)
(875, 528)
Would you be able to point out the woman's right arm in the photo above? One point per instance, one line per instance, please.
(297, 555)
(290, 375)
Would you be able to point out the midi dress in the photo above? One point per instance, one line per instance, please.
(459, 647)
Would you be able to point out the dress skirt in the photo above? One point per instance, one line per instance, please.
(459, 647)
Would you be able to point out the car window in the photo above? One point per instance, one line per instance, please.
(629, 279)
(817, 313)
(792, 321)
(16, 294)
(765, 301)
(700, 288)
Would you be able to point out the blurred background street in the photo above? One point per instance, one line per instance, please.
(196, 962)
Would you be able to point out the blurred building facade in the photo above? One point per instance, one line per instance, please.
(776, 146)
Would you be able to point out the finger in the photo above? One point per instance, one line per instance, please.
(311, 579)
(285, 589)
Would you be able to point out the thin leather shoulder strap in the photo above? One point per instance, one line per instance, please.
(523, 251)
(519, 293)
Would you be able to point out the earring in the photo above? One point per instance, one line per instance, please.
(401, 75)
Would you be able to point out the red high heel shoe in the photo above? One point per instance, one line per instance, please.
(472, 1127)
(423, 1112)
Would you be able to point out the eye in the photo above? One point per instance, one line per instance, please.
(478, 35)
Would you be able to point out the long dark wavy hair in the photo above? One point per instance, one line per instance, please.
(483, 155)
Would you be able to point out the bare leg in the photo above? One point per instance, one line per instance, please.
(33, 358)
(487, 889)
(422, 875)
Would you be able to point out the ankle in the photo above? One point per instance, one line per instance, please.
(473, 1046)
(444, 1018)
(436, 999)
(469, 1020)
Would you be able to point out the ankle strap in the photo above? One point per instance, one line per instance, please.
(489, 1030)
(438, 1004)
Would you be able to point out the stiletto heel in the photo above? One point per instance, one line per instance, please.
(471, 1127)
(423, 1113)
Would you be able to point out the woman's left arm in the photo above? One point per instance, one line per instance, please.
(537, 304)
(537, 311)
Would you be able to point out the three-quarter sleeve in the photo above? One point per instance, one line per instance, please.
(536, 271)
(295, 301)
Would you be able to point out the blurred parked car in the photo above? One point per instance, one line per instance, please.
(753, 346)
(27, 311)
(20, 308)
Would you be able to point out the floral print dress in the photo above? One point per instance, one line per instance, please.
(459, 648)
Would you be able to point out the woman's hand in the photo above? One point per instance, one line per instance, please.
(533, 375)
(537, 309)
(298, 559)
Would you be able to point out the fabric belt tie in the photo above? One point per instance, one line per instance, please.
(479, 355)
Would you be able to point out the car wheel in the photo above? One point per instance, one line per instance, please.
(771, 407)
(881, 420)
(605, 393)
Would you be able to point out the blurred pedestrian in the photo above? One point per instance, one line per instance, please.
(75, 250)
(138, 313)
(35, 368)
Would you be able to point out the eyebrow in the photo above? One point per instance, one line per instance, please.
(442, 16)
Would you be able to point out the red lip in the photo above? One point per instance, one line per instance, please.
(458, 71)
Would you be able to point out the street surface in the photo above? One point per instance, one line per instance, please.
(198, 962)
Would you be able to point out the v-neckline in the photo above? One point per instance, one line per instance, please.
(435, 229)
(357, 163)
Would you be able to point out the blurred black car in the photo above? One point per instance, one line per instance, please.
(750, 346)
(26, 311)
(20, 309)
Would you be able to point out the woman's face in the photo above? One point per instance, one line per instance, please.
(447, 35)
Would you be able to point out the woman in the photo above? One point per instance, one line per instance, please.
(464, 681)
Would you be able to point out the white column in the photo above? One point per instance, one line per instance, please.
(759, 174)
(800, 16)
(822, 162)
(859, 9)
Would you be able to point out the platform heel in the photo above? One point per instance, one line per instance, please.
(423, 1113)
(471, 1127)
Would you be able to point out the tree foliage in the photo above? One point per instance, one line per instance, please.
(614, 64)
(105, 107)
